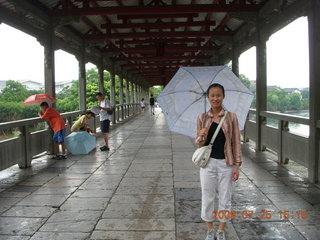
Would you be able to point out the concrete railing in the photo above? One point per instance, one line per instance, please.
(288, 145)
(21, 149)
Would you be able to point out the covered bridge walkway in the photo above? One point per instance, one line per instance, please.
(147, 188)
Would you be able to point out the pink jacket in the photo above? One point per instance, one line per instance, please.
(232, 147)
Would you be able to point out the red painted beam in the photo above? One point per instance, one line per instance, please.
(157, 35)
(156, 16)
(165, 40)
(169, 49)
(167, 9)
(163, 64)
(162, 58)
(158, 25)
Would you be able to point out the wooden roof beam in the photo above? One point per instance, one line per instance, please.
(167, 9)
(157, 35)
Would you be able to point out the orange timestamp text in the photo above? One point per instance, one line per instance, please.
(263, 214)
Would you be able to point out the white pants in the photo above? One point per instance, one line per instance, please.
(216, 180)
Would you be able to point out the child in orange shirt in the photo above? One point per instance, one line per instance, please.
(58, 126)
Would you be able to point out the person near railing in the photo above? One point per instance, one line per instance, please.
(223, 166)
(58, 126)
(82, 123)
(104, 107)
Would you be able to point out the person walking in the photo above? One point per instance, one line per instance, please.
(142, 106)
(104, 107)
(58, 126)
(223, 166)
(152, 101)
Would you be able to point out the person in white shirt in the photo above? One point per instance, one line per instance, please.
(104, 119)
(142, 105)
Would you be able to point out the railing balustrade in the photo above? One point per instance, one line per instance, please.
(21, 149)
(286, 144)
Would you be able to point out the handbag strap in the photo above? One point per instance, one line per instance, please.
(218, 128)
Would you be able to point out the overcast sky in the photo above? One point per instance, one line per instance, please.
(21, 57)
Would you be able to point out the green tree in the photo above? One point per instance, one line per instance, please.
(295, 101)
(245, 80)
(14, 92)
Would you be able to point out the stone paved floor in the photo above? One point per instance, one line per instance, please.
(147, 188)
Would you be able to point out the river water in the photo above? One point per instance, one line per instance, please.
(294, 127)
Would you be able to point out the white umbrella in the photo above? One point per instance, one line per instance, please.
(184, 98)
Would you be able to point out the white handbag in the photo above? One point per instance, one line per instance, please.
(202, 155)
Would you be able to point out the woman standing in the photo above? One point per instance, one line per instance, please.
(223, 166)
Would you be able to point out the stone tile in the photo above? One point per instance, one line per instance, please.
(266, 184)
(43, 200)
(64, 182)
(142, 198)
(310, 232)
(151, 167)
(136, 224)
(305, 217)
(25, 211)
(19, 225)
(21, 188)
(78, 204)
(188, 211)
(266, 231)
(91, 193)
(185, 194)
(7, 237)
(139, 211)
(293, 205)
(75, 216)
(185, 184)
(249, 198)
(59, 236)
(55, 191)
(6, 194)
(142, 173)
(155, 181)
(195, 231)
(279, 189)
(91, 185)
(127, 190)
(62, 226)
(276, 197)
(133, 235)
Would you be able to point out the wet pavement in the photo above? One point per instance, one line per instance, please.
(147, 188)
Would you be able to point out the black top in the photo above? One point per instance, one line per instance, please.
(152, 101)
(218, 144)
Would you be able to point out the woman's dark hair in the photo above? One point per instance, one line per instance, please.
(142, 99)
(216, 85)
(44, 104)
(99, 94)
(89, 112)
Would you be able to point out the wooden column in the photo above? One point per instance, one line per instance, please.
(261, 85)
(113, 94)
(101, 77)
(82, 82)
(314, 55)
(235, 59)
(127, 91)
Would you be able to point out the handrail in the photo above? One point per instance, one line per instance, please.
(283, 117)
(31, 121)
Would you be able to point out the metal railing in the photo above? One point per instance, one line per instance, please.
(21, 149)
(280, 139)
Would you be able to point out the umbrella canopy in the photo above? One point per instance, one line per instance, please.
(37, 99)
(184, 98)
(80, 143)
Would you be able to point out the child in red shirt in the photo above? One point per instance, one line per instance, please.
(58, 126)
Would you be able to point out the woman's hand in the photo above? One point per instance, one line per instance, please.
(203, 132)
(235, 174)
